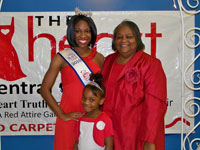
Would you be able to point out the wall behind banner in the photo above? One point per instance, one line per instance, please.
(173, 141)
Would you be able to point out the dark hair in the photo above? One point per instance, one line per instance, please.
(97, 78)
(134, 28)
(72, 21)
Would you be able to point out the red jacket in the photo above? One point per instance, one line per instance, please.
(136, 102)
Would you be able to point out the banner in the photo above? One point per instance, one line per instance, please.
(28, 41)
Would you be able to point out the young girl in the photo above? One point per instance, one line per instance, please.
(95, 127)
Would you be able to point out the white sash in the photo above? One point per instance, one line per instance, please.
(77, 64)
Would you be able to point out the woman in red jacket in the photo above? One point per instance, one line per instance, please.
(136, 92)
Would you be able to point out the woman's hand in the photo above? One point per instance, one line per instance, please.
(71, 116)
(149, 146)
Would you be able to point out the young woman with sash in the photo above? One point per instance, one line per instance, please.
(75, 64)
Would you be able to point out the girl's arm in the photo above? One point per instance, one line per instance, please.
(149, 146)
(47, 84)
(109, 143)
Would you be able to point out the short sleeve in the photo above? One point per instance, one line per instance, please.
(102, 129)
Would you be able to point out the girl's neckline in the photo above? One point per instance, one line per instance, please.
(88, 118)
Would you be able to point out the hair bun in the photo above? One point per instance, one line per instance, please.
(96, 77)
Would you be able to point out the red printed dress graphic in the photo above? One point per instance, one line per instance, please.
(10, 69)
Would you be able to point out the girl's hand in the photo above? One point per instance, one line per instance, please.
(72, 116)
(149, 146)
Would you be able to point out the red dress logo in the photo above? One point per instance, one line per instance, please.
(10, 69)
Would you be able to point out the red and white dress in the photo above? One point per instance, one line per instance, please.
(93, 131)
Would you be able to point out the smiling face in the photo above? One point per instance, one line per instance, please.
(90, 101)
(125, 42)
(82, 34)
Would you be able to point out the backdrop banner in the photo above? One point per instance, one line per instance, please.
(29, 40)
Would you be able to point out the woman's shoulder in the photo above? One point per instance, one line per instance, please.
(63, 51)
(60, 55)
(109, 60)
(58, 59)
(151, 59)
(149, 62)
(100, 56)
(99, 59)
(111, 56)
